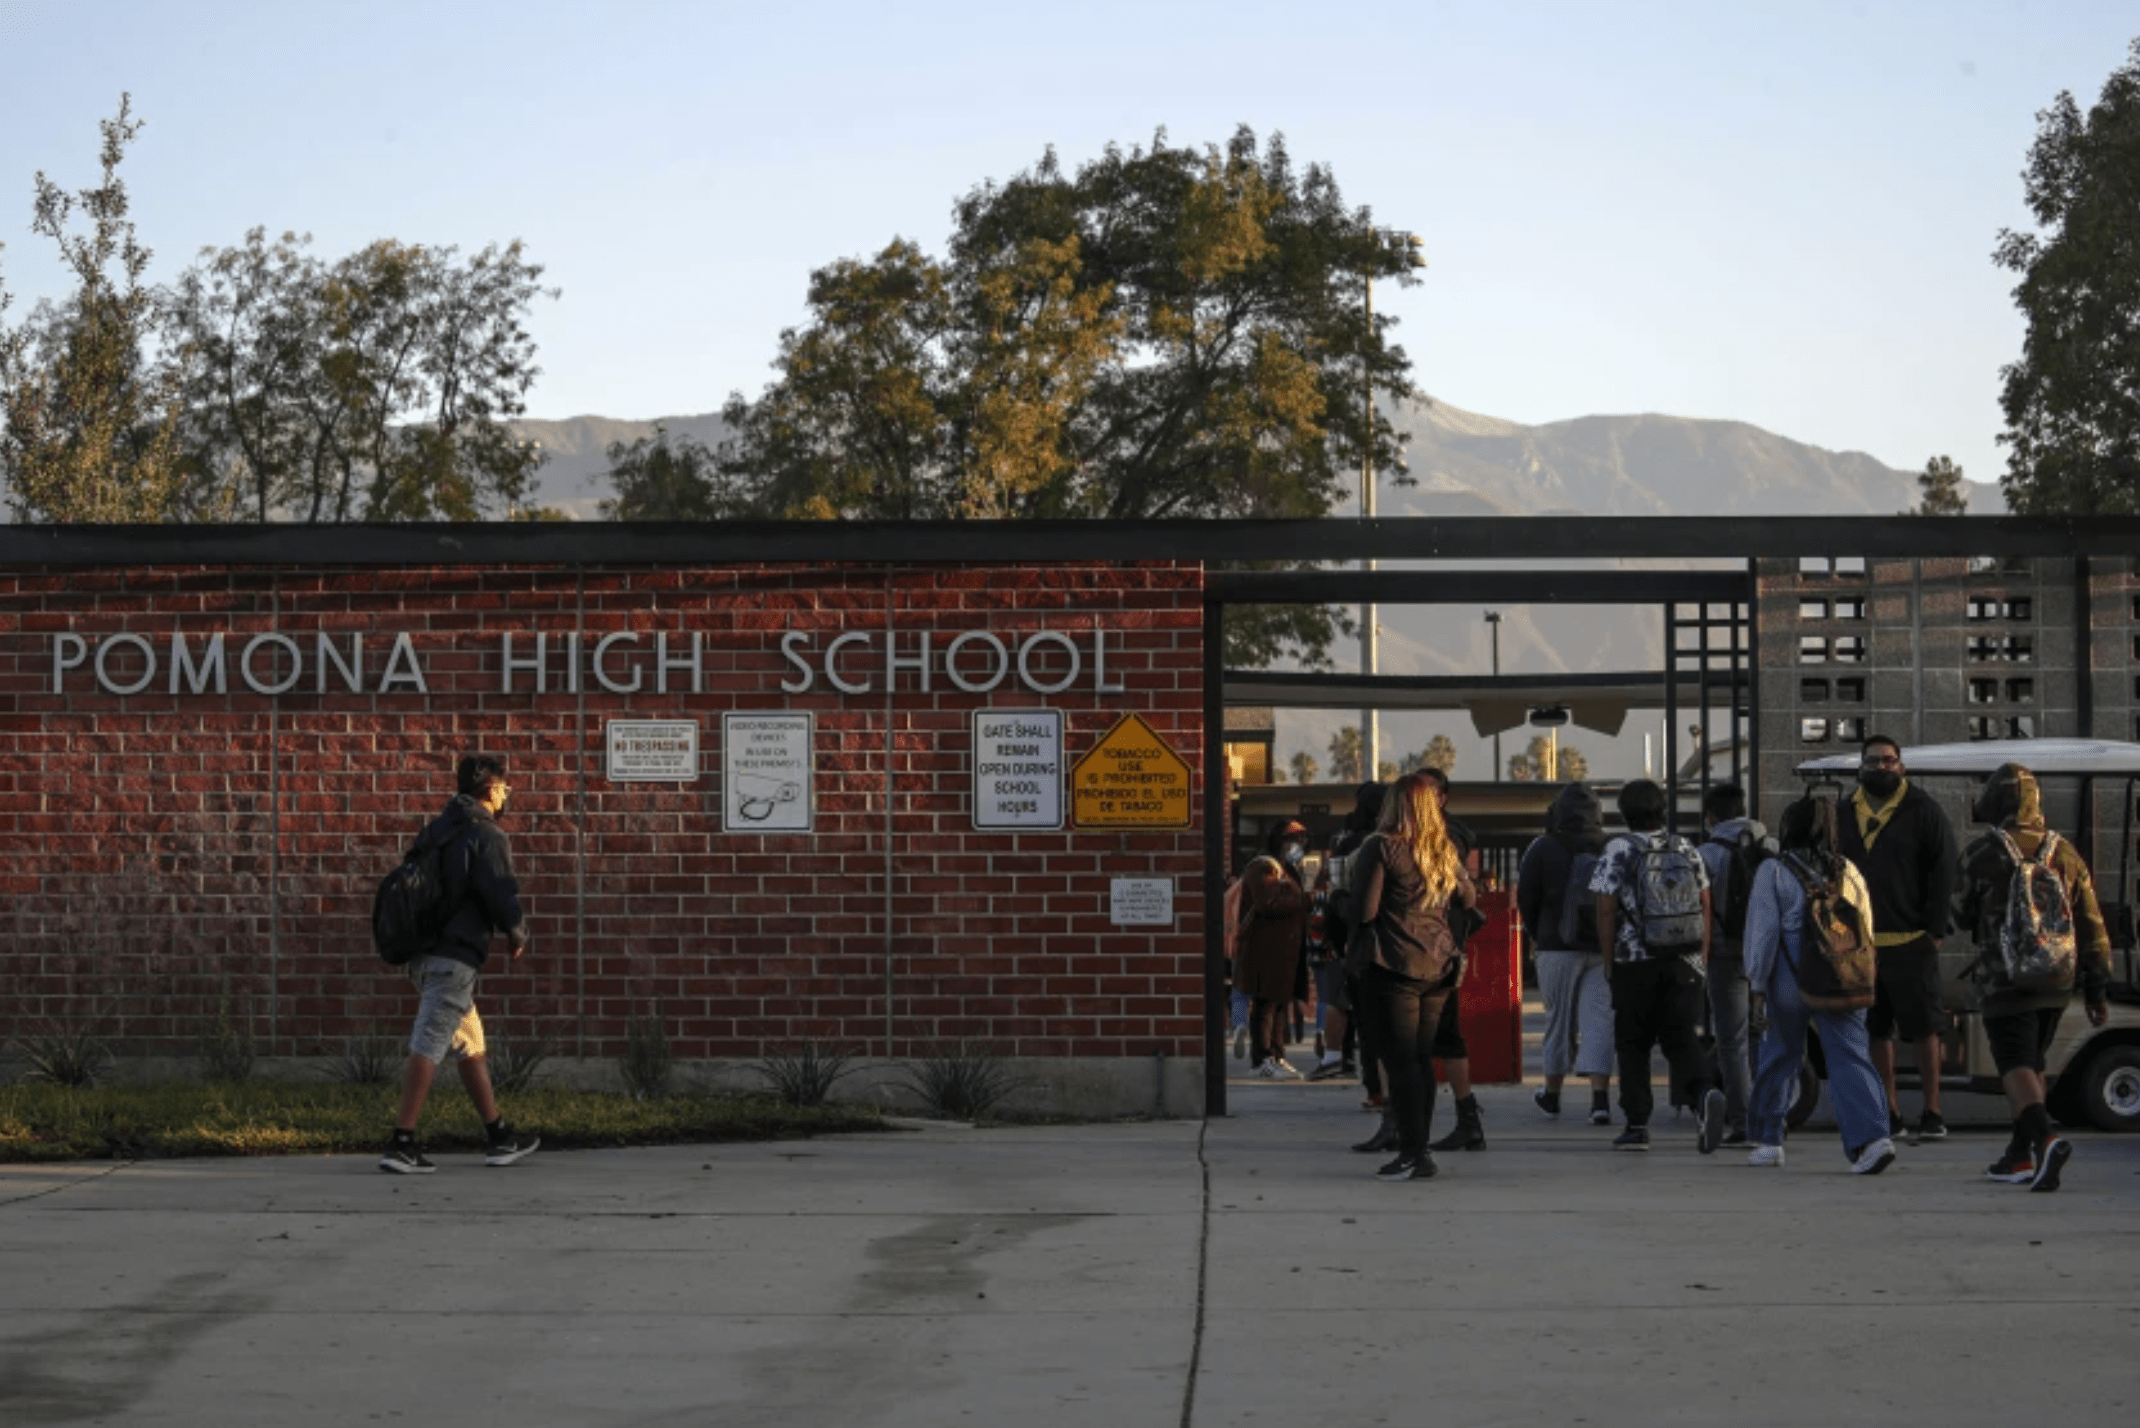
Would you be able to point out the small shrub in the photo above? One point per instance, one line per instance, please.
(64, 1055)
(513, 1064)
(648, 1061)
(373, 1059)
(805, 1074)
(226, 1047)
(962, 1082)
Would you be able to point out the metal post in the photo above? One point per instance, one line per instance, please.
(1370, 725)
(1671, 718)
(1701, 686)
(1215, 870)
(1493, 628)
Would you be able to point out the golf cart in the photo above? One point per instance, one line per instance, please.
(2094, 1072)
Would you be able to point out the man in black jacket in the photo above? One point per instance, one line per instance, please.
(1902, 843)
(485, 898)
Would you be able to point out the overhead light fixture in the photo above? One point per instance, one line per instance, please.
(1552, 716)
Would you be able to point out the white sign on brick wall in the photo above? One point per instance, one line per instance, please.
(768, 772)
(653, 750)
(1141, 902)
(1017, 768)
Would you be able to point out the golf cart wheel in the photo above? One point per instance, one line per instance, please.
(1807, 1098)
(2110, 1088)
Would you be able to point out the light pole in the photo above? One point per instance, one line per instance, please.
(1408, 245)
(1493, 626)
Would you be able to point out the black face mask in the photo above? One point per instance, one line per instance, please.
(1880, 783)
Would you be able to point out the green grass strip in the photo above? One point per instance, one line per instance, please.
(143, 1122)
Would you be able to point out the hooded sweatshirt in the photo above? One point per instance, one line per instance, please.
(1575, 823)
(480, 886)
(1716, 852)
(2011, 800)
(1909, 859)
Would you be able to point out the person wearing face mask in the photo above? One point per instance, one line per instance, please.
(1273, 939)
(1899, 838)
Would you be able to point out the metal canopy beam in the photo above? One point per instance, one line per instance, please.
(1256, 687)
(1487, 587)
(978, 542)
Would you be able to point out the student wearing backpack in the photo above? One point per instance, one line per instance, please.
(1274, 932)
(1735, 848)
(1651, 891)
(2030, 900)
(484, 898)
(1899, 838)
(1410, 885)
(1808, 905)
(1571, 977)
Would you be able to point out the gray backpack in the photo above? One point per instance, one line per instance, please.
(1667, 887)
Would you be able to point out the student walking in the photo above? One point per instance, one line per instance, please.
(1450, 1048)
(1900, 839)
(2030, 901)
(1652, 898)
(1571, 976)
(1346, 1033)
(1733, 851)
(485, 900)
(1410, 881)
(1808, 880)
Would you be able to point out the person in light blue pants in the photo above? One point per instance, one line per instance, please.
(1775, 937)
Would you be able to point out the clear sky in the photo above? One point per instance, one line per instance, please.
(1779, 213)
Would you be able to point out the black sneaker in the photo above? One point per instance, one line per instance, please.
(1633, 1138)
(403, 1158)
(1896, 1129)
(2056, 1152)
(1408, 1167)
(1547, 1102)
(507, 1145)
(1709, 1134)
(2016, 1167)
(1931, 1127)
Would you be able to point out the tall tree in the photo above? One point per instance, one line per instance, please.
(379, 387)
(2072, 401)
(1940, 485)
(1168, 331)
(1304, 766)
(1440, 753)
(666, 478)
(1346, 759)
(88, 412)
(1530, 766)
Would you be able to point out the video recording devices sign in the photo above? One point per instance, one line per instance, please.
(1018, 768)
(768, 772)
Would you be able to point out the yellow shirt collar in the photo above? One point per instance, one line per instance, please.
(1871, 820)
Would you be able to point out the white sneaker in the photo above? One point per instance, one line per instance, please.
(1284, 1069)
(1766, 1155)
(1268, 1071)
(1240, 1043)
(1874, 1158)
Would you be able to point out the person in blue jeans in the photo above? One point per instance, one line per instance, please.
(1775, 935)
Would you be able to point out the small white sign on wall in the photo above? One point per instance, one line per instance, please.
(769, 771)
(653, 750)
(1017, 768)
(1141, 902)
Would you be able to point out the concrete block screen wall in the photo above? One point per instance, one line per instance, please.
(190, 813)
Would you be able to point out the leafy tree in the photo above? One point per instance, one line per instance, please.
(666, 478)
(88, 415)
(1304, 767)
(2072, 401)
(379, 387)
(1440, 753)
(1388, 772)
(1530, 765)
(1345, 755)
(1168, 331)
(1941, 485)
(1521, 769)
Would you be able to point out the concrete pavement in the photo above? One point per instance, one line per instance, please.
(1073, 1275)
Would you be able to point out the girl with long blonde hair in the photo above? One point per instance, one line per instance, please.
(1409, 879)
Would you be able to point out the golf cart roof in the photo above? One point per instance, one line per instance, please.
(2099, 757)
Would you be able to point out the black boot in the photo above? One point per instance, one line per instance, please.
(1469, 1134)
(1384, 1138)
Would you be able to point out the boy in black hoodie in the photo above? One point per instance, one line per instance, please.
(1903, 845)
(485, 899)
(1571, 977)
(2020, 1024)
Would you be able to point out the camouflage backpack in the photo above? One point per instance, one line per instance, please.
(2037, 948)
(1836, 959)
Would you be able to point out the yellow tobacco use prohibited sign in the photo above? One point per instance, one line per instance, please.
(1131, 779)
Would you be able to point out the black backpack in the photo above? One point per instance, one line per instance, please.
(1579, 907)
(1743, 858)
(410, 907)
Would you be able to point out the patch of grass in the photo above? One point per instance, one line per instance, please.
(803, 1075)
(648, 1061)
(64, 1054)
(227, 1050)
(129, 1122)
(373, 1059)
(513, 1064)
(962, 1081)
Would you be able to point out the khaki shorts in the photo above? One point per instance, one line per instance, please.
(446, 1020)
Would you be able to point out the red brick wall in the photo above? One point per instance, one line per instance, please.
(158, 849)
